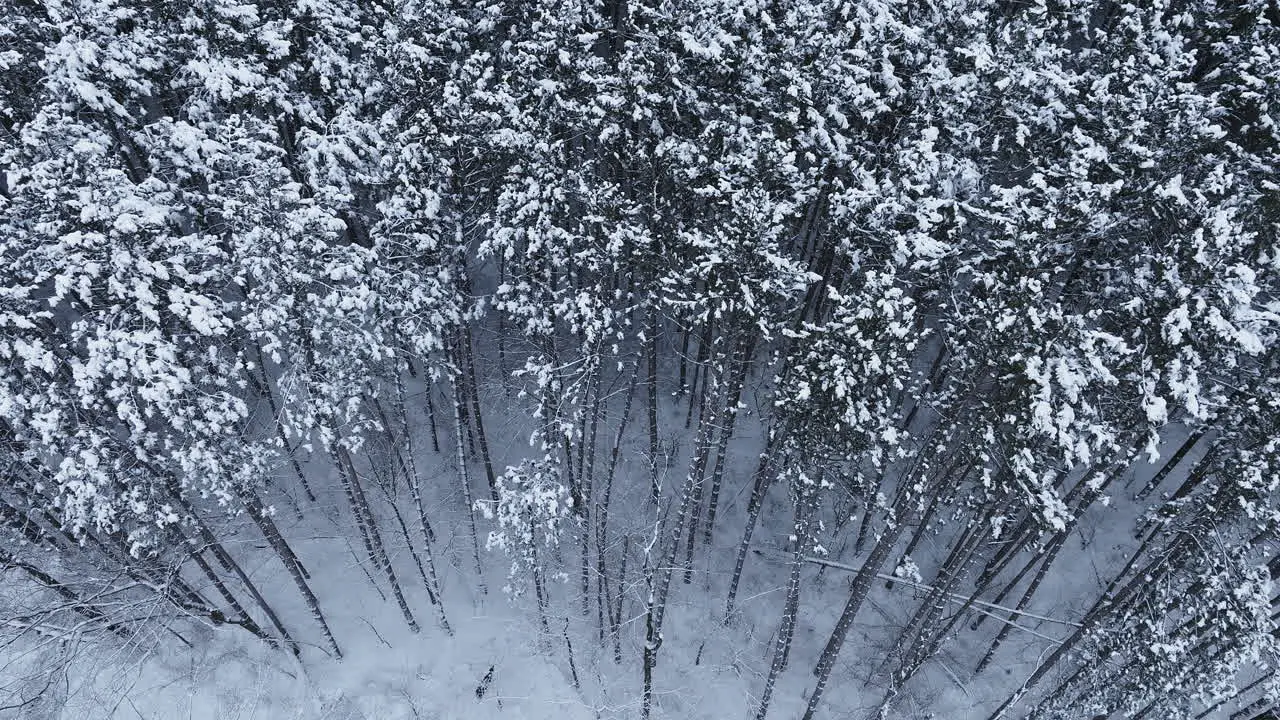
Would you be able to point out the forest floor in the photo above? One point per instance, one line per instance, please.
(707, 669)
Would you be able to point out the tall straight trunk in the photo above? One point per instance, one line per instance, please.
(590, 418)
(1009, 587)
(1195, 478)
(808, 228)
(586, 469)
(408, 543)
(858, 591)
(791, 607)
(699, 371)
(651, 351)
(415, 489)
(760, 486)
(602, 516)
(465, 480)
(362, 523)
(360, 506)
(540, 593)
(245, 619)
(408, 465)
(470, 382)
(739, 379)
(702, 454)
(431, 413)
(150, 572)
(1148, 576)
(652, 639)
(869, 514)
(1050, 553)
(1258, 710)
(681, 386)
(229, 563)
(290, 562)
(1026, 532)
(864, 526)
(661, 585)
(459, 386)
(615, 624)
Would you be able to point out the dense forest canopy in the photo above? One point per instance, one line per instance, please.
(742, 314)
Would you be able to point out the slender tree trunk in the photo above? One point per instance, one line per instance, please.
(246, 620)
(791, 607)
(699, 372)
(684, 362)
(652, 641)
(586, 469)
(615, 626)
(465, 480)
(360, 507)
(652, 386)
(469, 382)
(702, 452)
(540, 593)
(432, 579)
(1159, 478)
(743, 362)
(229, 563)
(764, 477)
(413, 552)
(858, 591)
(602, 517)
(431, 413)
(290, 562)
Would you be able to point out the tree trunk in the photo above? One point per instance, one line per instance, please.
(290, 562)
(364, 516)
(431, 414)
(415, 489)
(1159, 478)
(743, 362)
(698, 472)
(651, 351)
(858, 591)
(469, 382)
(465, 480)
(760, 486)
(229, 563)
(790, 609)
